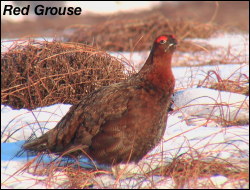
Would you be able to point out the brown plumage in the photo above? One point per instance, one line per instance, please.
(121, 122)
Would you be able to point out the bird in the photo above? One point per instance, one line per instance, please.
(122, 122)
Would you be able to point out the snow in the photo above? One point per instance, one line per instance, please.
(6, 44)
(213, 104)
(232, 48)
(228, 48)
(20, 124)
(192, 129)
(190, 76)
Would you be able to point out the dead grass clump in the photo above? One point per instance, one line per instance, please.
(82, 178)
(218, 12)
(41, 73)
(138, 33)
(230, 86)
(185, 170)
(239, 85)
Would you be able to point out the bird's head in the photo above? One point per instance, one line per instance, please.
(165, 44)
(157, 69)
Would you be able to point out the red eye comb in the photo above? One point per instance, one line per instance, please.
(161, 38)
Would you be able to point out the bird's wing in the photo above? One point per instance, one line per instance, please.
(83, 120)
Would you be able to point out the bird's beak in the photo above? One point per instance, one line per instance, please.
(172, 45)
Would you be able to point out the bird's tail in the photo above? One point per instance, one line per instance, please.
(39, 144)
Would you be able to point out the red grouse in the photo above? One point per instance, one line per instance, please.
(122, 122)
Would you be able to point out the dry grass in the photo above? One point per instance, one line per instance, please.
(140, 32)
(186, 171)
(44, 73)
(237, 83)
(36, 74)
(189, 170)
(217, 13)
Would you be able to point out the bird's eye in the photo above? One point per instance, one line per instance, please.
(163, 41)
